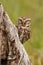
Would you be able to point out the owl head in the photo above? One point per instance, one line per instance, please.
(24, 20)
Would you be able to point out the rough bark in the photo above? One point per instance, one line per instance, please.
(12, 51)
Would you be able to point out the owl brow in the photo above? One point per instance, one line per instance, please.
(20, 19)
(27, 20)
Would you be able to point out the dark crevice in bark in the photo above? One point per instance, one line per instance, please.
(4, 61)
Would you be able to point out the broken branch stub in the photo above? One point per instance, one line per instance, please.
(16, 54)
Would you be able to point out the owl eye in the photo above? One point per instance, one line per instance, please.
(19, 21)
(28, 23)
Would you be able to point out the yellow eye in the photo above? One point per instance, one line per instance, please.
(20, 21)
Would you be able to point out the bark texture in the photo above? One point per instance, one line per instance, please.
(12, 51)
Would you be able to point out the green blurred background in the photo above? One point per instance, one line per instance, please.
(34, 10)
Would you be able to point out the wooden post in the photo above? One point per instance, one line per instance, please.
(16, 52)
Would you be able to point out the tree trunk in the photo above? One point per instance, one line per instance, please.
(14, 50)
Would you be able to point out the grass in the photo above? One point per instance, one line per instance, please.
(34, 10)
